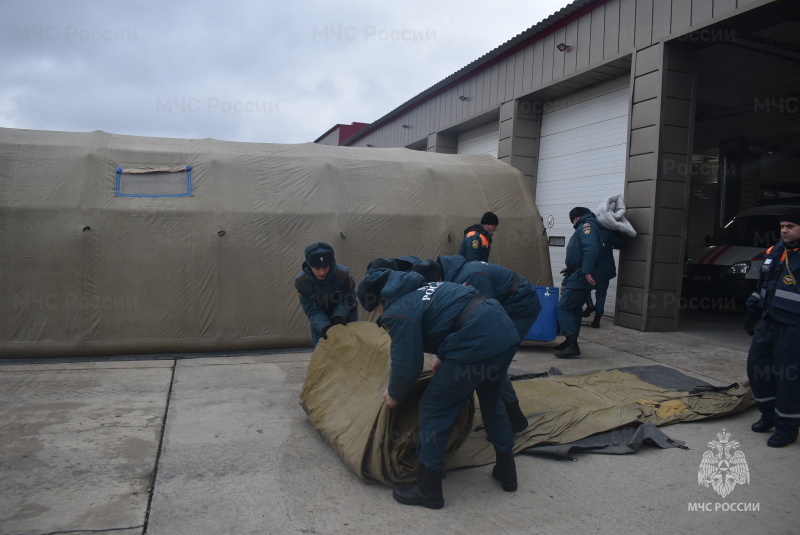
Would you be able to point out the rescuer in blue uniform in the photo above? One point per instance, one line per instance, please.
(583, 252)
(326, 290)
(477, 242)
(474, 342)
(606, 270)
(773, 362)
(514, 293)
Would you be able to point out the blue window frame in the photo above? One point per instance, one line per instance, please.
(154, 182)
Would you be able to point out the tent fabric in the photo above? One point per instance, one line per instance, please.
(86, 271)
(620, 441)
(349, 371)
(342, 395)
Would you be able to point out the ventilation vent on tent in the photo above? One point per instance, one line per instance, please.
(154, 182)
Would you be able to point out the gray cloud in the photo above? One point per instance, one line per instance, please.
(238, 71)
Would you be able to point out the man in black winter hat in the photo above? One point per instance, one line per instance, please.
(326, 290)
(581, 258)
(773, 362)
(477, 242)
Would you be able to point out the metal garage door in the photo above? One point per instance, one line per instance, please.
(581, 161)
(482, 140)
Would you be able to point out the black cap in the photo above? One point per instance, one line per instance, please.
(369, 289)
(405, 263)
(489, 218)
(430, 269)
(319, 254)
(792, 215)
(382, 263)
(578, 211)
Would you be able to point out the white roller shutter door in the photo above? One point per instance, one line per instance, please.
(582, 155)
(482, 140)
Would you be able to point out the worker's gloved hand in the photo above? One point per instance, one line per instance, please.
(750, 320)
(338, 320)
(324, 332)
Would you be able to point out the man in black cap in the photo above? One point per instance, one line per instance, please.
(773, 362)
(477, 242)
(583, 252)
(474, 342)
(326, 290)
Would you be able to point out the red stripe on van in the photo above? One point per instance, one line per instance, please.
(721, 251)
(705, 256)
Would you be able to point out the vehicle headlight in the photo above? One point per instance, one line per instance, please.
(739, 268)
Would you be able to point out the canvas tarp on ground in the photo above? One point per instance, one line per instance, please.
(349, 372)
(92, 263)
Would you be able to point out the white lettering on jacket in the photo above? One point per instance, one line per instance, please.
(428, 290)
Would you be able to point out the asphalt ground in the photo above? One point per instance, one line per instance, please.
(218, 444)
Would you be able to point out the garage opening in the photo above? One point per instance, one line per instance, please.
(746, 155)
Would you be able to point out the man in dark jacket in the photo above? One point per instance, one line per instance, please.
(606, 270)
(326, 290)
(474, 342)
(773, 362)
(583, 252)
(514, 293)
(477, 242)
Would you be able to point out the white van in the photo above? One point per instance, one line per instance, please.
(729, 263)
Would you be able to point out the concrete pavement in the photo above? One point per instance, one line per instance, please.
(215, 444)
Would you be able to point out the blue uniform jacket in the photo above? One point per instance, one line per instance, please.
(583, 252)
(477, 243)
(610, 240)
(777, 293)
(517, 296)
(324, 299)
(421, 318)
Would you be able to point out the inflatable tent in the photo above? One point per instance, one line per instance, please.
(118, 244)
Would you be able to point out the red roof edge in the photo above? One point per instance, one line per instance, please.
(345, 131)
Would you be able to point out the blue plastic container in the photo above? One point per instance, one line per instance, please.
(546, 324)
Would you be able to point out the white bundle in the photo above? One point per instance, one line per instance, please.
(611, 214)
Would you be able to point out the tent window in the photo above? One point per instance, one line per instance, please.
(154, 182)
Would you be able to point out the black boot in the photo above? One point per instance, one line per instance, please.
(562, 345)
(518, 420)
(762, 426)
(571, 350)
(596, 321)
(589, 308)
(781, 441)
(505, 471)
(426, 491)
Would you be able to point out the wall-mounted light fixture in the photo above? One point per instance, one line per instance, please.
(563, 47)
(462, 98)
(368, 145)
(406, 126)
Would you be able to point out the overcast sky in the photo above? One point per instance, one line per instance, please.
(271, 72)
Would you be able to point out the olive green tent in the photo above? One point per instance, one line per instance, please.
(117, 244)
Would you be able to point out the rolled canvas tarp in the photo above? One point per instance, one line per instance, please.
(349, 372)
(342, 396)
(118, 244)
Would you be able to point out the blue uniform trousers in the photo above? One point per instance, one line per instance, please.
(773, 368)
(570, 310)
(445, 396)
(523, 325)
(600, 293)
(315, 334)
